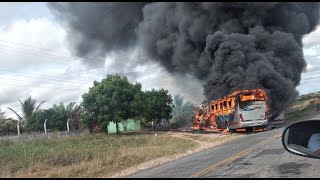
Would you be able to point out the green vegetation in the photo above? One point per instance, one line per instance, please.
(28, 107)
(110, 100)
(116, 100)
(156, 105)
(182, 112)
(302, 107)
(85, 156)
(57, 118)
(8, 126)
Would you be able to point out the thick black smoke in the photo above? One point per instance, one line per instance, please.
(96, 29)
(229, 46)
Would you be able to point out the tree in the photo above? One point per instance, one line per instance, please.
(110, 100)
(180, 107)
(34, 123)
(59, 117)
(75, 117)
(2, 115)
(182, 112)
(157, 105)
(28, 107)
(71, 106)
(56, 116)
(7, 125)
(74, 112)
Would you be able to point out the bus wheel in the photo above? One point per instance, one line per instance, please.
(269, 127)
(249, 129)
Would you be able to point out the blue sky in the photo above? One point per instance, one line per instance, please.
(36, 61)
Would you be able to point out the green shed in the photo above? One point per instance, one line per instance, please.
(129, 125)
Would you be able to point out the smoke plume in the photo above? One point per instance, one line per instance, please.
(228, 46)
(95, 29)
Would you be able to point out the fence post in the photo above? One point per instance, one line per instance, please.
(18, 128)
(68, 125)
(45, 127)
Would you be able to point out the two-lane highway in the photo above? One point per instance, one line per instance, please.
(253, 155)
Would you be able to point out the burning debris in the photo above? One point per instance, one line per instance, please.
(227, 46)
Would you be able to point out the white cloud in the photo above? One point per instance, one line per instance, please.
(30, 67)
(310, 78)
(312, 39)
(12, 11)
(47, 40)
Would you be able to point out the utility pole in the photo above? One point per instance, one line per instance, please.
(45, 127)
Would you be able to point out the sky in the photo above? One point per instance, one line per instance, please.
(36, 61)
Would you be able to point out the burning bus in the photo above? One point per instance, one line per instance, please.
(241, 109)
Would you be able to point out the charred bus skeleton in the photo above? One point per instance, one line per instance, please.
(241, 109)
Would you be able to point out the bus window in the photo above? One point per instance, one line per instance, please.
(252, 96)
(212, 107)
(229, 104)
(224, 105)
(259, 96)
(233, 102)
(246, 97)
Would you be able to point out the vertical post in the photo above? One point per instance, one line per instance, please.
(68, 125)
(45, 127)
(18, 128)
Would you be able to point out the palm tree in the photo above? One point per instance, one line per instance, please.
(181, 107)
(73, 112)
(182, 113)
(71, 107)
(28, 107)
(66, 111)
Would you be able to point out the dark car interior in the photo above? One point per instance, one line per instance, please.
(300, 135)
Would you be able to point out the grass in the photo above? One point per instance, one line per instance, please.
(85, 155)
(301, 109)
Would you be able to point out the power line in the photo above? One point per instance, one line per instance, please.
(55, 56)
(25, 86)
(49, 83)
(30, 46)
(59, 57)
(79, 81)
(60, 86)
(164, 77)
(26, 52)
(33, 47)
(37, 77)
(68, 59)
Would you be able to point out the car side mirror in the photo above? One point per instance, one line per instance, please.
(303, 138)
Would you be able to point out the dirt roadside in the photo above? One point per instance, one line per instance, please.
(204, 141)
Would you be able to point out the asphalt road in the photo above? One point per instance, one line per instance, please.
(259, 154)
